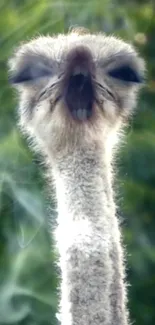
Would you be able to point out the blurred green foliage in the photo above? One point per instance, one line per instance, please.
(28, 280)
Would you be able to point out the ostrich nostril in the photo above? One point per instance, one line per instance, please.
(79, 96)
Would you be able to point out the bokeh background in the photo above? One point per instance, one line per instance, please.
(28, 280)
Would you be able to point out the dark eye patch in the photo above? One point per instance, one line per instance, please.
(30, 73)
(125, 73)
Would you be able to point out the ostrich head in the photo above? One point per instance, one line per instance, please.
(75, 88)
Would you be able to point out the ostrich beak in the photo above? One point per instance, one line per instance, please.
(79, 94)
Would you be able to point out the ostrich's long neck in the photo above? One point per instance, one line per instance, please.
(92, 290)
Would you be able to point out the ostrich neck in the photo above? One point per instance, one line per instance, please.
(83, 184)
(88, 238)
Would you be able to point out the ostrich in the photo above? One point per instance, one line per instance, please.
(76, 92)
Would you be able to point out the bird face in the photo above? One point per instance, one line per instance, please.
(75, 86)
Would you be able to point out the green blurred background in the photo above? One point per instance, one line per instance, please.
(28, 280)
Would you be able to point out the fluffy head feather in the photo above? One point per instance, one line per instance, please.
(75, 87)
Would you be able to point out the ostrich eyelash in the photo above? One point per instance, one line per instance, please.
(30, 73)
(125, 73)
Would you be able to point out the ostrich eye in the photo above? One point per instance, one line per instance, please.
(30, 73)
(125, 73)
